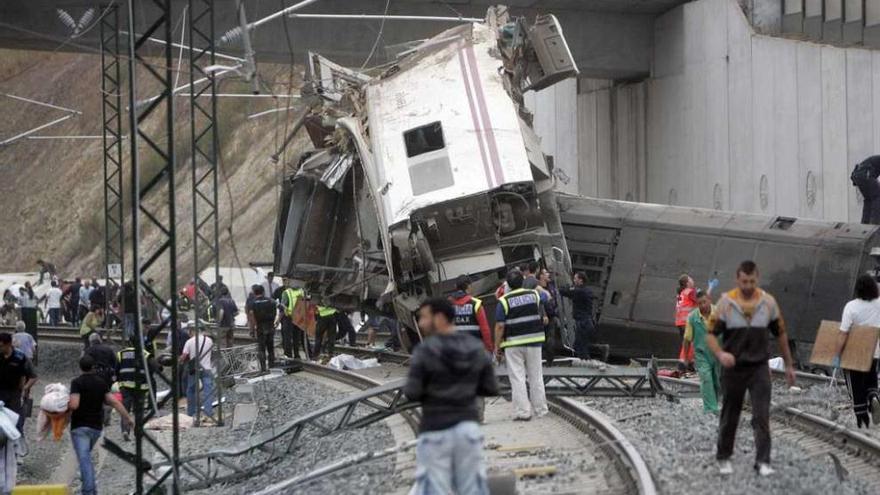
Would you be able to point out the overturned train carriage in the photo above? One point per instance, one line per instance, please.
(425, 170)
(634, 253)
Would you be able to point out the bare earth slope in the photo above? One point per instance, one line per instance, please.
(51, 191)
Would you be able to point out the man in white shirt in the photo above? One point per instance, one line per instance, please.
(53, 304)
(198, 352)
(270, 286)
(864, 310)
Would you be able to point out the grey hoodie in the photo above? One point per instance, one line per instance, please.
(446, 374)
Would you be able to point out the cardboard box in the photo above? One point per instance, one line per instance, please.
(858, 352)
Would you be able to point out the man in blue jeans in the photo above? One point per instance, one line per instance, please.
(88, 394)
(448, 371)
(197, 353)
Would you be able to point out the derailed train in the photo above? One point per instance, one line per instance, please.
(428, 168)
(633, 254)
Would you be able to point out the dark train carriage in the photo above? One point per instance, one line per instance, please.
(633, 254)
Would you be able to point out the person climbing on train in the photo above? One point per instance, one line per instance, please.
(707, 366)
(864, 310)
(743, 320)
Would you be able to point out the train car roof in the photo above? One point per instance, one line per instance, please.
(616, 214)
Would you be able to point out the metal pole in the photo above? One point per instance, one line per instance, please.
(380, 17)
(203, 129)
(111, 110)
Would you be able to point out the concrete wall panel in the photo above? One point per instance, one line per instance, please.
(742, 196)
(566, 131)
(587, 146)
(809, 130)
(860, 123)
(834, 128)
(763, 101)
(785, 191)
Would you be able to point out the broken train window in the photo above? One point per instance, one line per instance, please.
(424, 139)
(427, 159)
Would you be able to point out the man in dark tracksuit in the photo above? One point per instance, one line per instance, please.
(744, 319)
(291, 335)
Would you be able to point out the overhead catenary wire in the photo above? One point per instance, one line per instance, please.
(234, 33)
(378, 35)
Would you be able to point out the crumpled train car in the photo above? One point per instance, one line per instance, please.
(425, 169)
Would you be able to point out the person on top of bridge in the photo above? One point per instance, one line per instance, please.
(864, 310)
(448, 371)
(519, 333)
(744, 319)
(707, 366)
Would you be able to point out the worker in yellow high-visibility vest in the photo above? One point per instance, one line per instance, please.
(325, 330)
(291, 335)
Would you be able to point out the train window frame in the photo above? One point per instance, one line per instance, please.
(436, 143)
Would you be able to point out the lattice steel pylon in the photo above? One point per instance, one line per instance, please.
(152, 121)
(111, 113)
(203, 127)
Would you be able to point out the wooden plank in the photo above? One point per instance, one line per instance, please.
(527, 472)
(858, 352)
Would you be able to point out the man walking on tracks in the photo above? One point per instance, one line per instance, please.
(261, 318)
(133, 379)
(449, 370)
(519, 332)
(226, 311)
(291, 335)
(707, 366)
(744, 319)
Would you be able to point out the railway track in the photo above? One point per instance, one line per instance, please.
(588, 454)
(853, 452)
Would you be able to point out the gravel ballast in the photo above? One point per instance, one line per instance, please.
(677, 440)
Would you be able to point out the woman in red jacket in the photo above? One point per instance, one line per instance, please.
(684, 304)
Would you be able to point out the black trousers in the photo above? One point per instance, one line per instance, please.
(346, 328)
(584, 337)
(266, 347)
(291, 338)
(132, 400)
(550, 340)
(862, 387)
(325, 333)
(734, 383)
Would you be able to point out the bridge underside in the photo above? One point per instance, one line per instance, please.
(609, 38)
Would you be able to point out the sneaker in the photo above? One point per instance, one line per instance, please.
(125, 437)
(725, 467)
(764, 469)
(875, 410)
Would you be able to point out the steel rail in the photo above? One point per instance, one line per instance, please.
(628, 462)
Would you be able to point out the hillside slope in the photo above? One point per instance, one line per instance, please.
(51, 191)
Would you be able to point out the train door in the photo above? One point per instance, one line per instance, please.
(592, 252)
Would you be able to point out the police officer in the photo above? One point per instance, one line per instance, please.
(519, 332)
(133, 380)
(261, 318)
(16, 377)
(291, 335)
(325, 330)
(470, 317)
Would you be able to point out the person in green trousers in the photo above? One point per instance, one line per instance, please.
(707, 366)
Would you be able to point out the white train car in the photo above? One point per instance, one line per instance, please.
(426, 169)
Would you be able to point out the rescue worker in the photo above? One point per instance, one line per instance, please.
(291, 335)
(17, 377)
(470, 316)
(134, 381)
(261, 319)
(447, 373)
(582, 311)
(685, 302)
(864, 310)
(325, 330)
(519, 333)
(707, 366)
(744, 319)
(226, 310)
(470, 319)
